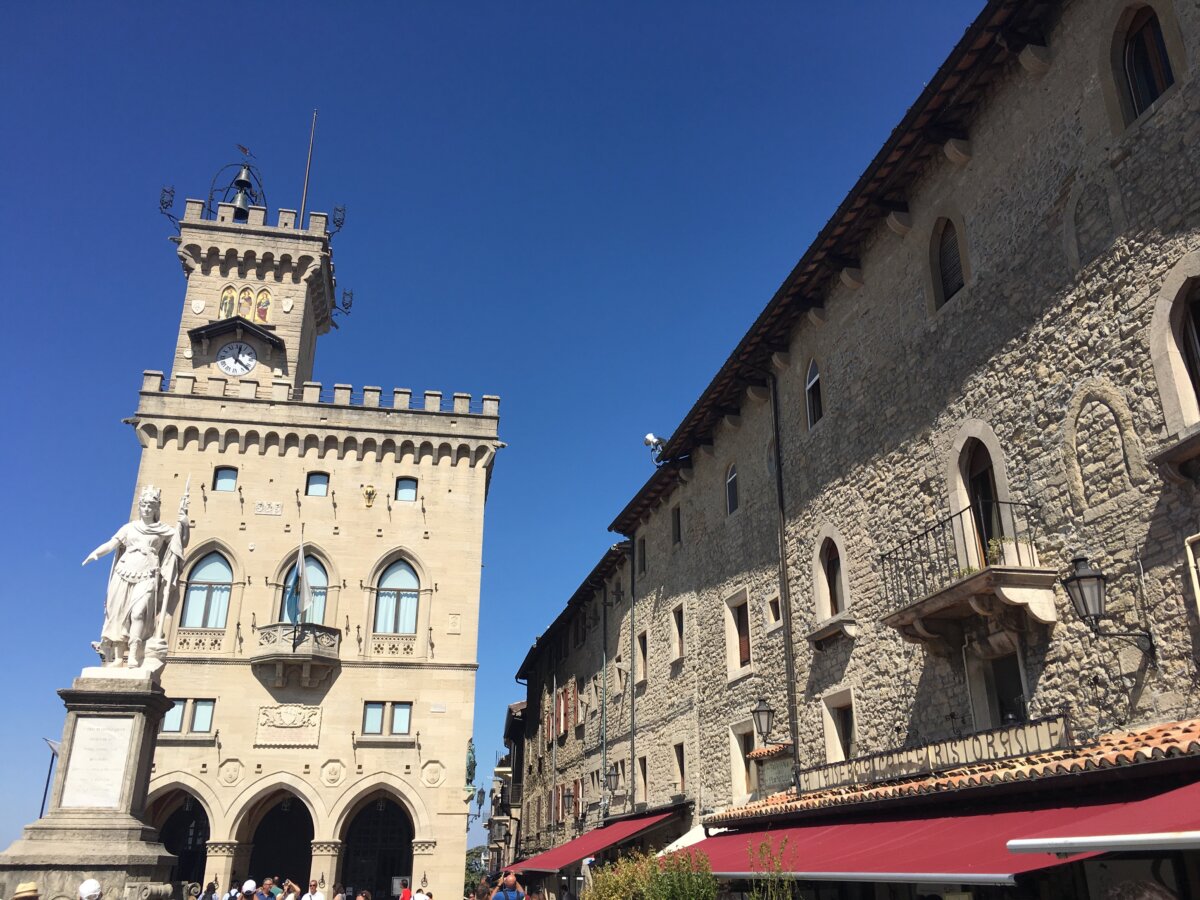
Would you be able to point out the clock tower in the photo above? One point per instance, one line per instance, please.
(258, 295)
(318, 731)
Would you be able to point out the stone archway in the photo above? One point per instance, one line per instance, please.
(282, 839)
(183, 828)
(377, 846)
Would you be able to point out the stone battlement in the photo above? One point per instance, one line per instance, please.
(193, 213)
(313, 392)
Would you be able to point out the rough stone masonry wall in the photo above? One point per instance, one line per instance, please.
(1052, 357)
(1026, 345)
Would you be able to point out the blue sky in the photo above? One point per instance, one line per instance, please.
(577, 206)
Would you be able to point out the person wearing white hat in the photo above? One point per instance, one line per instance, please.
(248, 889)
(26, 890)
(90, 890)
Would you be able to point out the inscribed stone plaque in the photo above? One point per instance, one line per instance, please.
(96, 766)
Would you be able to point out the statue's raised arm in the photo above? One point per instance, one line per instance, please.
(144, 577)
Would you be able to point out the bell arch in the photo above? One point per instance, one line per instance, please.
(361, 792)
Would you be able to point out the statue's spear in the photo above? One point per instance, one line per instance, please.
(162, 588)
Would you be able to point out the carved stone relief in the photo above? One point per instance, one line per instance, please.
(230, 772)
(433, 773)
(288, 725)
(333, 772)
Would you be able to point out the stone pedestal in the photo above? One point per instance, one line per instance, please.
(93, 827)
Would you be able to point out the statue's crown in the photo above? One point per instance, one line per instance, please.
(151, 493)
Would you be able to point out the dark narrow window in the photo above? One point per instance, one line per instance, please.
(812, 394)
(831, 562)
(746, 739)
(680, 768)
(774, 609)
(643, 656)
(1147, 69)
(731, 490)
(843, 723)
(741, 623)
(1190, 337)
(981, 488)
(680, 646)
(644, 782)
(1007, 690)
(676, 527)
(641, 555)
(950, 269)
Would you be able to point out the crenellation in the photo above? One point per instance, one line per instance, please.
(257, 216)
(371, 396)
(152, 380)
(401, 398)
(287, 219)
(317, 222)
(341, 394)
(433, 401)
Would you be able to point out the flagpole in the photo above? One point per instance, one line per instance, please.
(49, 771)
(307, 167)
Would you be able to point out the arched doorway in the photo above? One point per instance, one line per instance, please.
(377, 847)
(983, 495)
(185, 834)
(282, 841)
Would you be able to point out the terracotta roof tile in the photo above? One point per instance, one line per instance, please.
(1119, 748)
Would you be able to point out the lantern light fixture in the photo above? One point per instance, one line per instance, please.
(1088, 589)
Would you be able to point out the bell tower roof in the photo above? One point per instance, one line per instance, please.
(272, 283)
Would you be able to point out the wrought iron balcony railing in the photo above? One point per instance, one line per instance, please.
(987, 534)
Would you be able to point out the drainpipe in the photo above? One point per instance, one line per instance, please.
(604, 703)
(785, 596)
(631, 792)
(554, 751)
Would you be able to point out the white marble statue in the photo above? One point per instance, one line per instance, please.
(142, 583)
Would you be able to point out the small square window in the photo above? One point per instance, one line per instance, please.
(224, 478)
(401, 718)
(173, 720)
(317, 484)
(774, 613)
(202, 715)
(372, 718)
(406, 490)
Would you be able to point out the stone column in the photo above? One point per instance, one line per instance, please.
(326, 857)
(94, 827)
(218, 865)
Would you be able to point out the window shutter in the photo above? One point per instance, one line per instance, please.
(950, 262)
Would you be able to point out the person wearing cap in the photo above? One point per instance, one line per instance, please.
(90, 890)
(26, 890)
(249, 890)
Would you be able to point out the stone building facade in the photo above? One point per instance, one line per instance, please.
(330, 739)
(984, 364)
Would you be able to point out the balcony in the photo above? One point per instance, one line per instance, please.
(980, 563)
(310, 650)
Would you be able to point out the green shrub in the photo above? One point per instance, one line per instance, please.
(643, 876)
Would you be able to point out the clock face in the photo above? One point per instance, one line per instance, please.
(237, 358)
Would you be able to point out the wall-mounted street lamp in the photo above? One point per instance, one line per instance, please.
(612, 780)
(764, 719)
(1088, 589)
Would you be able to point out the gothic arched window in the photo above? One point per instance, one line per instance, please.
(206, 602)
(318, 586)
(262, 306)
(396, 599)
(812, 394)
(731, 490)
(950, 263)
(1147, 69)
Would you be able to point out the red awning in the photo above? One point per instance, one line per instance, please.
(1167, 821)
(967, 849)
(588, 844)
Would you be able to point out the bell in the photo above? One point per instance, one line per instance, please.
(241, 207)
(242, 182)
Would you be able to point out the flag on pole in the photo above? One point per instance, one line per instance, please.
(304, 596)
(54, 745)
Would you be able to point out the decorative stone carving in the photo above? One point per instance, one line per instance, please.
(142, 585)
(221, 848)
(424, 847)
(230, 772)
(197, 640)
(288, 725)
(197, 306)
(327, 848)
(393, 644)
(333, 772)
(433, 773)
